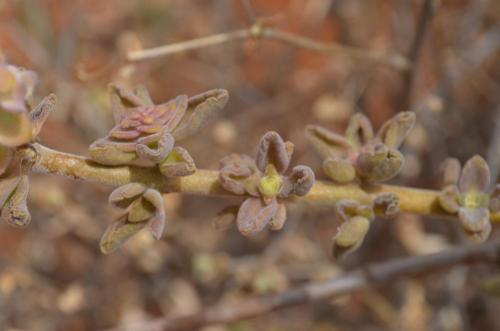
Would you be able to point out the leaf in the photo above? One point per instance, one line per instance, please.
(254, 215)
(178, 163)
(6, 155)
(118, 232)
(394, 131)
(386, 204)
(450, 170)
(345, 209)
(142, 92)
(15, 128)
(140, 210)
(239, 175)
(40, 114)
(201, 109)
(449, 199)
(272, 150)
(475, 175)
(379, 163)
(158, 222)
(163, 143)
(327, 143)
(495, 199)
(299, 182)
(123, 100)
(278, 221)
(476, 223)
(350, 236)
(124, 195)
(359, 131)
(15, 210)
(339, 170)
(7, 186)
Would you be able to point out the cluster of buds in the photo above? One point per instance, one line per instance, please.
(363, 156)
(360, 153)
(465, 193)
(19, 124)
(145, 135)
(265, 181)
(355, 219)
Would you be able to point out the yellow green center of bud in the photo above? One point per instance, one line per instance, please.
(270, 183)
(474, 200)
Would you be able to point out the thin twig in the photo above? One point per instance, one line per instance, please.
(259, 31)
(206, 182)
(216, 39)
(369, 276)
(424, 19)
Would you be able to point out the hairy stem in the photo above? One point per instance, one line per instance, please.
(206, 182)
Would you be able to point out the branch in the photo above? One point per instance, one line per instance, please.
(427, 12)
(371, 275)
(206, 182)
(261, 32)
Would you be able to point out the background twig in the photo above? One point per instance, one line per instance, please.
(371, 275)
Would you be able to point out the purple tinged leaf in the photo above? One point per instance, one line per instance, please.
(359, 131)
(327, 143)
(272, 150)
(302, 179)
(339, 169)
(449, 199)
(124, 195)
(233, 178)
(163, 142)
(15, 210)
(254, 215)
(201, 109)
(475, 175)
(123, 101)
(386, 204)
(239, 174)
(450, 170)
(40, 114)
(476, 223)
(179, 163)
(394, 131)
(279, 219)
(118, 232)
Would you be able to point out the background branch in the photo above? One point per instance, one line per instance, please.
(259, 31)
(426, 14)
(371, 275)
(206, 182)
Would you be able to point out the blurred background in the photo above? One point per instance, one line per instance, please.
(52, 274)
